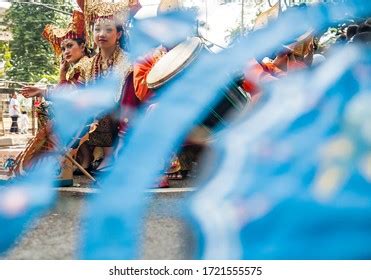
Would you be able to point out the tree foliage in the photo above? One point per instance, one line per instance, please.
(252, 9)
(31, 56)
(4, 58)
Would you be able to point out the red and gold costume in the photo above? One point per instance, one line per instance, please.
(75, 30)
(256, 73)
(180, 163)
(75, 74)
(44, 141)
(145, 64)
(108, 127)
(295, 57)
(141, 71)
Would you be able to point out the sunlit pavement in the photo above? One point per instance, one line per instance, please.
(10, 146)
(56, 235)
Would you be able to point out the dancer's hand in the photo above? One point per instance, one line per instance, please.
(31, 91)
(64, 66)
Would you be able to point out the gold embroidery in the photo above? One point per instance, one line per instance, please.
(120, 66)
(56, 35)
(95, 9)
(80, 67)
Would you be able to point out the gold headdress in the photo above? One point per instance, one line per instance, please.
(95, 9)
(122, 11)
(301, 45)
(167, 6)
(56, 35)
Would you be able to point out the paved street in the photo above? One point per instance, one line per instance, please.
(55, 236)
(11, 144)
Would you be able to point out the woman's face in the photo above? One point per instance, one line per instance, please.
(72, 51)
(105, 33)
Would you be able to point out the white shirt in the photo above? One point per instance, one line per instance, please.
(23, 121)
(12, 111)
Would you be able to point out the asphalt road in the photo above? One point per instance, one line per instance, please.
(55, 236)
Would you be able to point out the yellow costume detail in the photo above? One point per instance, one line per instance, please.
(55, 35)
(81, 68)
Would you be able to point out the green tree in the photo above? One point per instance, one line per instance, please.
(253, 9)
(4, 58)
(32, 58)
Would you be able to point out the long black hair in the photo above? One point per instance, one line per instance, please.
(88, 52)
(124, 39)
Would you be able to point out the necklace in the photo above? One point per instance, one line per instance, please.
(102, 67)
(118, 62)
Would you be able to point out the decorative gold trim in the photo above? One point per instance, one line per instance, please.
(80, 67)
(55, 35)
(121, 12)
(120, 66)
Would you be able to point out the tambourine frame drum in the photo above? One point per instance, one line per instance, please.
(180, 59)
(174, 62)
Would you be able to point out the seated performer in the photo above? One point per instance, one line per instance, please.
(108, 23)
(180, 164)
(70, 44)
(145, 64)
(296, 56)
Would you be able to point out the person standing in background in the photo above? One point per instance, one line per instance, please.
(14, 111)
(24, 122)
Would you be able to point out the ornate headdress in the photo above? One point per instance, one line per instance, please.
(167, 6)
(55, 35)
(301, 45)
(120, 11)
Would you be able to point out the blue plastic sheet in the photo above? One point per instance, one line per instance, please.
(148, 144)
(24, 200)
(269, 196)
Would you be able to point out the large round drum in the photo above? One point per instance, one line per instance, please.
(180, 59)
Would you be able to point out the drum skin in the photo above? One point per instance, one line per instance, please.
(175, 61)
(178, 60)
